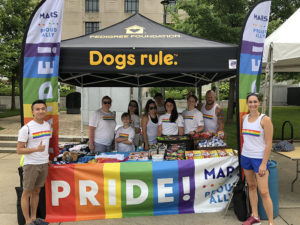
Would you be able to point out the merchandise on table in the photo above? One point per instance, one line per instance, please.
(139, 156)
(157, 157)
(175, 151)
(202, 154)
(173, 138)
(211, 143)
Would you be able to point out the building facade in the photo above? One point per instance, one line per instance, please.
(86, 16)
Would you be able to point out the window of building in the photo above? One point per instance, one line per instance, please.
(92, 5)
(131, 6)
(91, 27)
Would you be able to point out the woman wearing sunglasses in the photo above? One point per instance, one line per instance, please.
(257, 133)
(170, 123)
(102, 127)
(193, 118)
(150, 124)
(133, 110)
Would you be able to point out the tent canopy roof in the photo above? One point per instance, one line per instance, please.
(285, 42)
(141, 52)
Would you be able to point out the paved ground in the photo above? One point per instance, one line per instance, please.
(289, 202)
(69, 125)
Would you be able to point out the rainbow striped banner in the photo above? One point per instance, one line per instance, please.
(166, 120)
(206, 116)
(40, 58)
(108, 118)
(188, 117)
(41, 134)
(251, 132)
(123, 135)
(77, 192)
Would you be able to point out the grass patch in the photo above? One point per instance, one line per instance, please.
(279, 115)
(9, 113)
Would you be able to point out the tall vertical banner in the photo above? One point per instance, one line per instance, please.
(40, 61)
(250, 64)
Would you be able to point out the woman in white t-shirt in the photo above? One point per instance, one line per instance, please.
(133, 110)
(150, 124)
(192, 117)
(170, 123)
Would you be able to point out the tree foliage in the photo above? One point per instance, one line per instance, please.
(223, 21)
(14, 15)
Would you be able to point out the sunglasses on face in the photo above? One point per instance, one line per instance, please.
(106, 103)
(151, 108)
(132, 105)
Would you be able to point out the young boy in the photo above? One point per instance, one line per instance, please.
(125, 135)
(33, 142)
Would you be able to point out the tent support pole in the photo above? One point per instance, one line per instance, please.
(81, 114)
(264, 103)
(271, 80)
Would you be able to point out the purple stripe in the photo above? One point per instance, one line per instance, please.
(186, 168)
(46, 49)
(248, 47)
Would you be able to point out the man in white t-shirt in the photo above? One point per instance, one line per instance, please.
(212, 113)
(125, 135)
(102, 127)
(33, 143)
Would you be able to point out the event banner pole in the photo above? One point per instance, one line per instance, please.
(250, 63)
(40, 61)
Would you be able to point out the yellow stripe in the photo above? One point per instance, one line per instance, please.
(111, 171)
(28, 111)
(243, 105)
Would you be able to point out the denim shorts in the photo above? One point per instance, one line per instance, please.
(251, 163)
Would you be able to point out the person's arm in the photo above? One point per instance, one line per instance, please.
(220, 116)
(22, 150)
(121, 139)
(130, 138)
(180, 130)
(91, 137)
(144, 128)
(200, 129)
(267, 125)
(159, 130)
(180, 125)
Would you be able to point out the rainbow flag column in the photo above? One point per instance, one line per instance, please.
(40, 58)
(252, 43)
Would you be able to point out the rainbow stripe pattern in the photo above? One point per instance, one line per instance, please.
(255, 133)
(188, 117)
(41, 134)
(123, 135)
(166, 121)
(207, 116)
(108, 118)
(76, 192)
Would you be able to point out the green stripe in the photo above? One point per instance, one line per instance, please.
(31, 88)
(137, 171)
(245, 82)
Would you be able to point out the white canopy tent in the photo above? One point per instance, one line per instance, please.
(282, 50)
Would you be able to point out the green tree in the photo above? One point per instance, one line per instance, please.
(14, 15)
